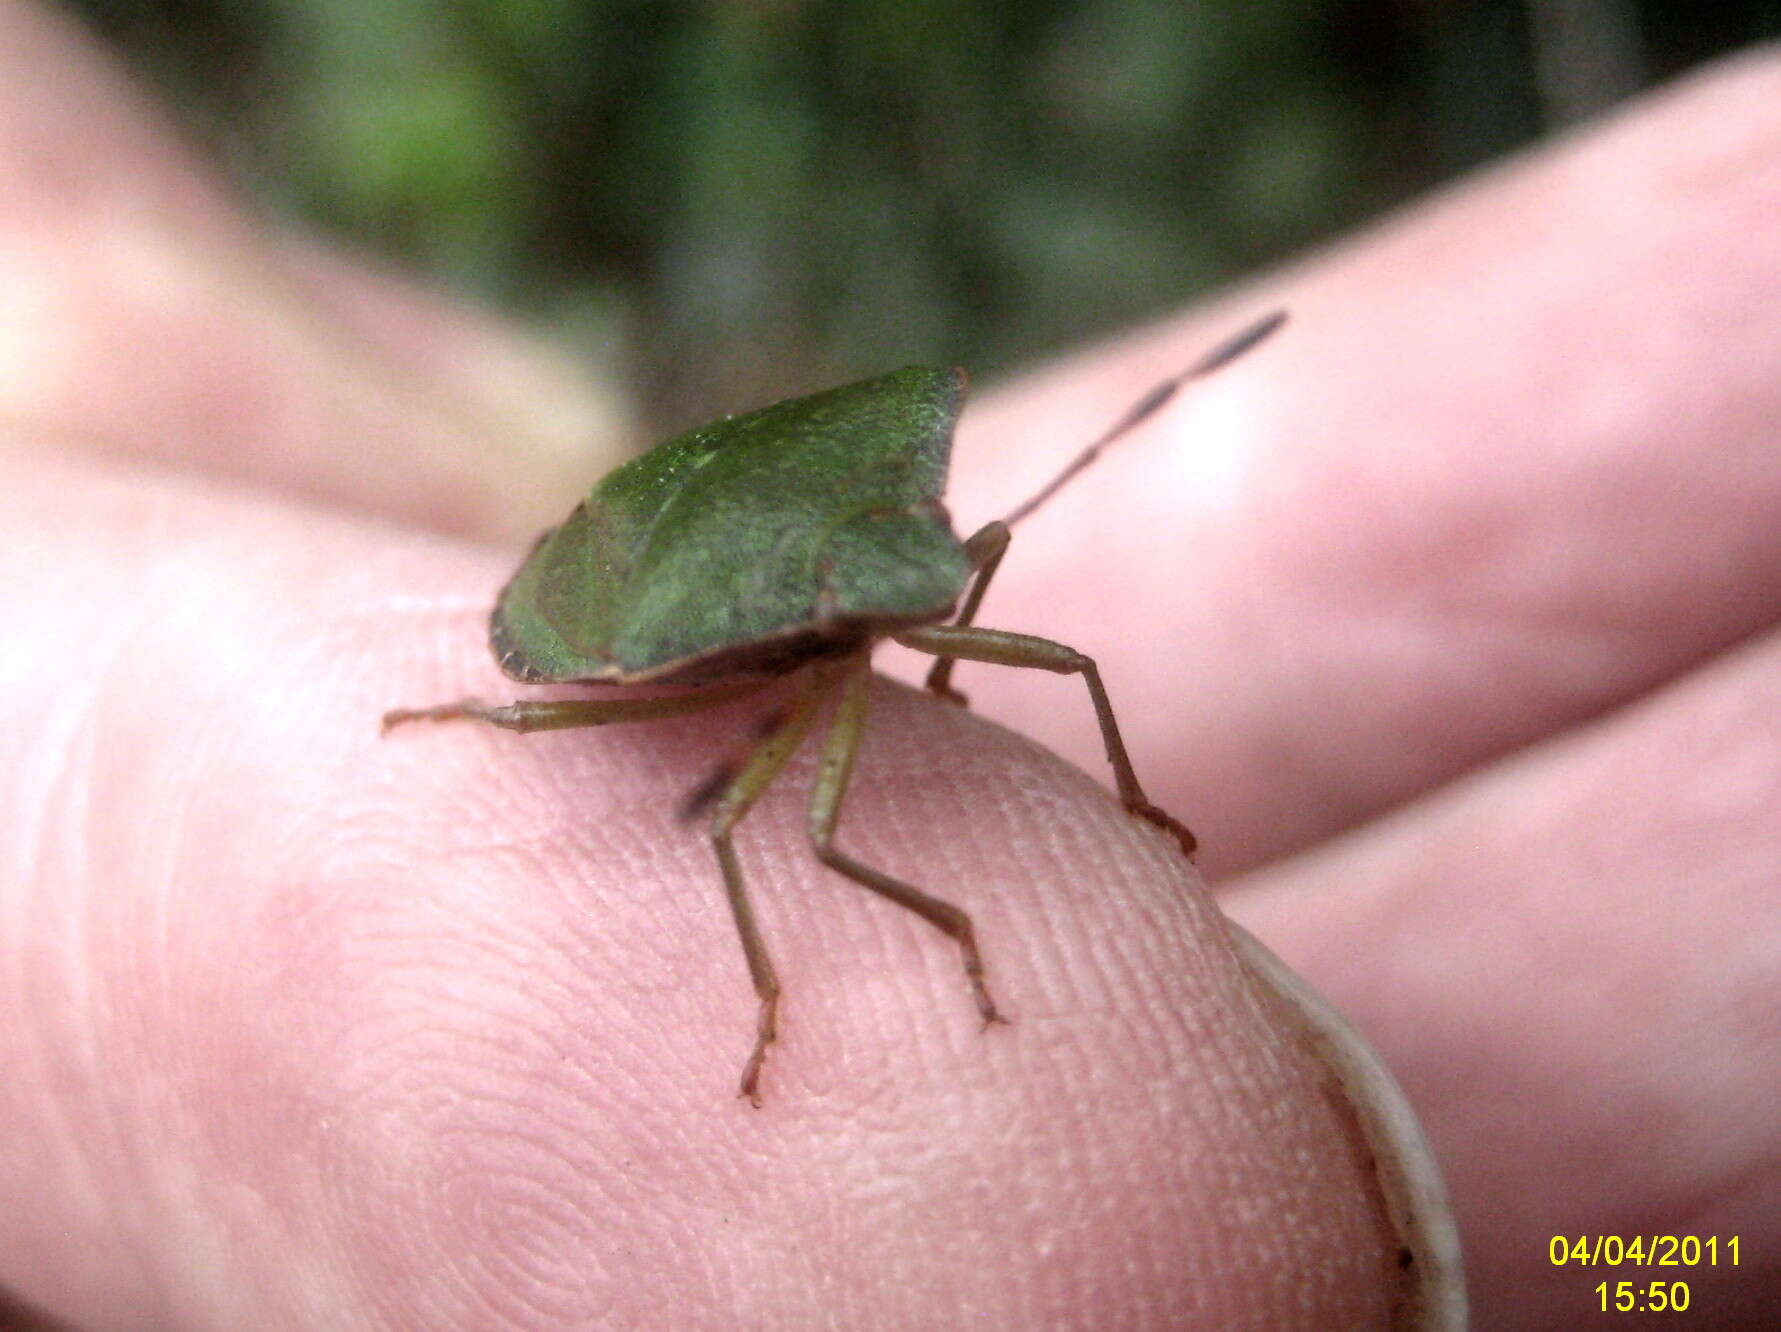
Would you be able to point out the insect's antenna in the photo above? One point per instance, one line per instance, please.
(1151, 402)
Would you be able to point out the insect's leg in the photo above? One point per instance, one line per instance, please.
(754, 776)
(561, 714)
(985, 547)
(839, 749)
(1007, 649)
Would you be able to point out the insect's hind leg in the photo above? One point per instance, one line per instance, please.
(752, 778)
(840, 747)
(1002, 648)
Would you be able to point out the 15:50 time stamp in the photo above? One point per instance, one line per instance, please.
(1644, 1251)
(1651, 1297)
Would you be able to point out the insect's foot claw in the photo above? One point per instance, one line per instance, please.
(402, 716)
(986, 1007)
(1169, 824)
(957, 697)
(750, 1091)
(751, 1071)
(464, 707)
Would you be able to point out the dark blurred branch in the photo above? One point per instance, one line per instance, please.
(1586, 56)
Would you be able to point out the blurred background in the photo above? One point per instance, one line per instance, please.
(719, 204)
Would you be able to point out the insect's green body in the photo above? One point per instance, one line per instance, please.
(788, 540)
(750, 544)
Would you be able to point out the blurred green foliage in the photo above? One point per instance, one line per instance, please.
(733, 201)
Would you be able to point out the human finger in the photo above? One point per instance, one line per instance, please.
(1511, 463)
(316, 1028)
(1570, 961)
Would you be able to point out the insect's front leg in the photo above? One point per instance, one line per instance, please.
(752, 778)
(1002, 648)
(563, 714)
(985, 548)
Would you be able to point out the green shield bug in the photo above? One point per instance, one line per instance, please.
(788, 540)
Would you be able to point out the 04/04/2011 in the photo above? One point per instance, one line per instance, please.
(1644, 1251)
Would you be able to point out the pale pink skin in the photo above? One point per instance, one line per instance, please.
(309, 1029)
